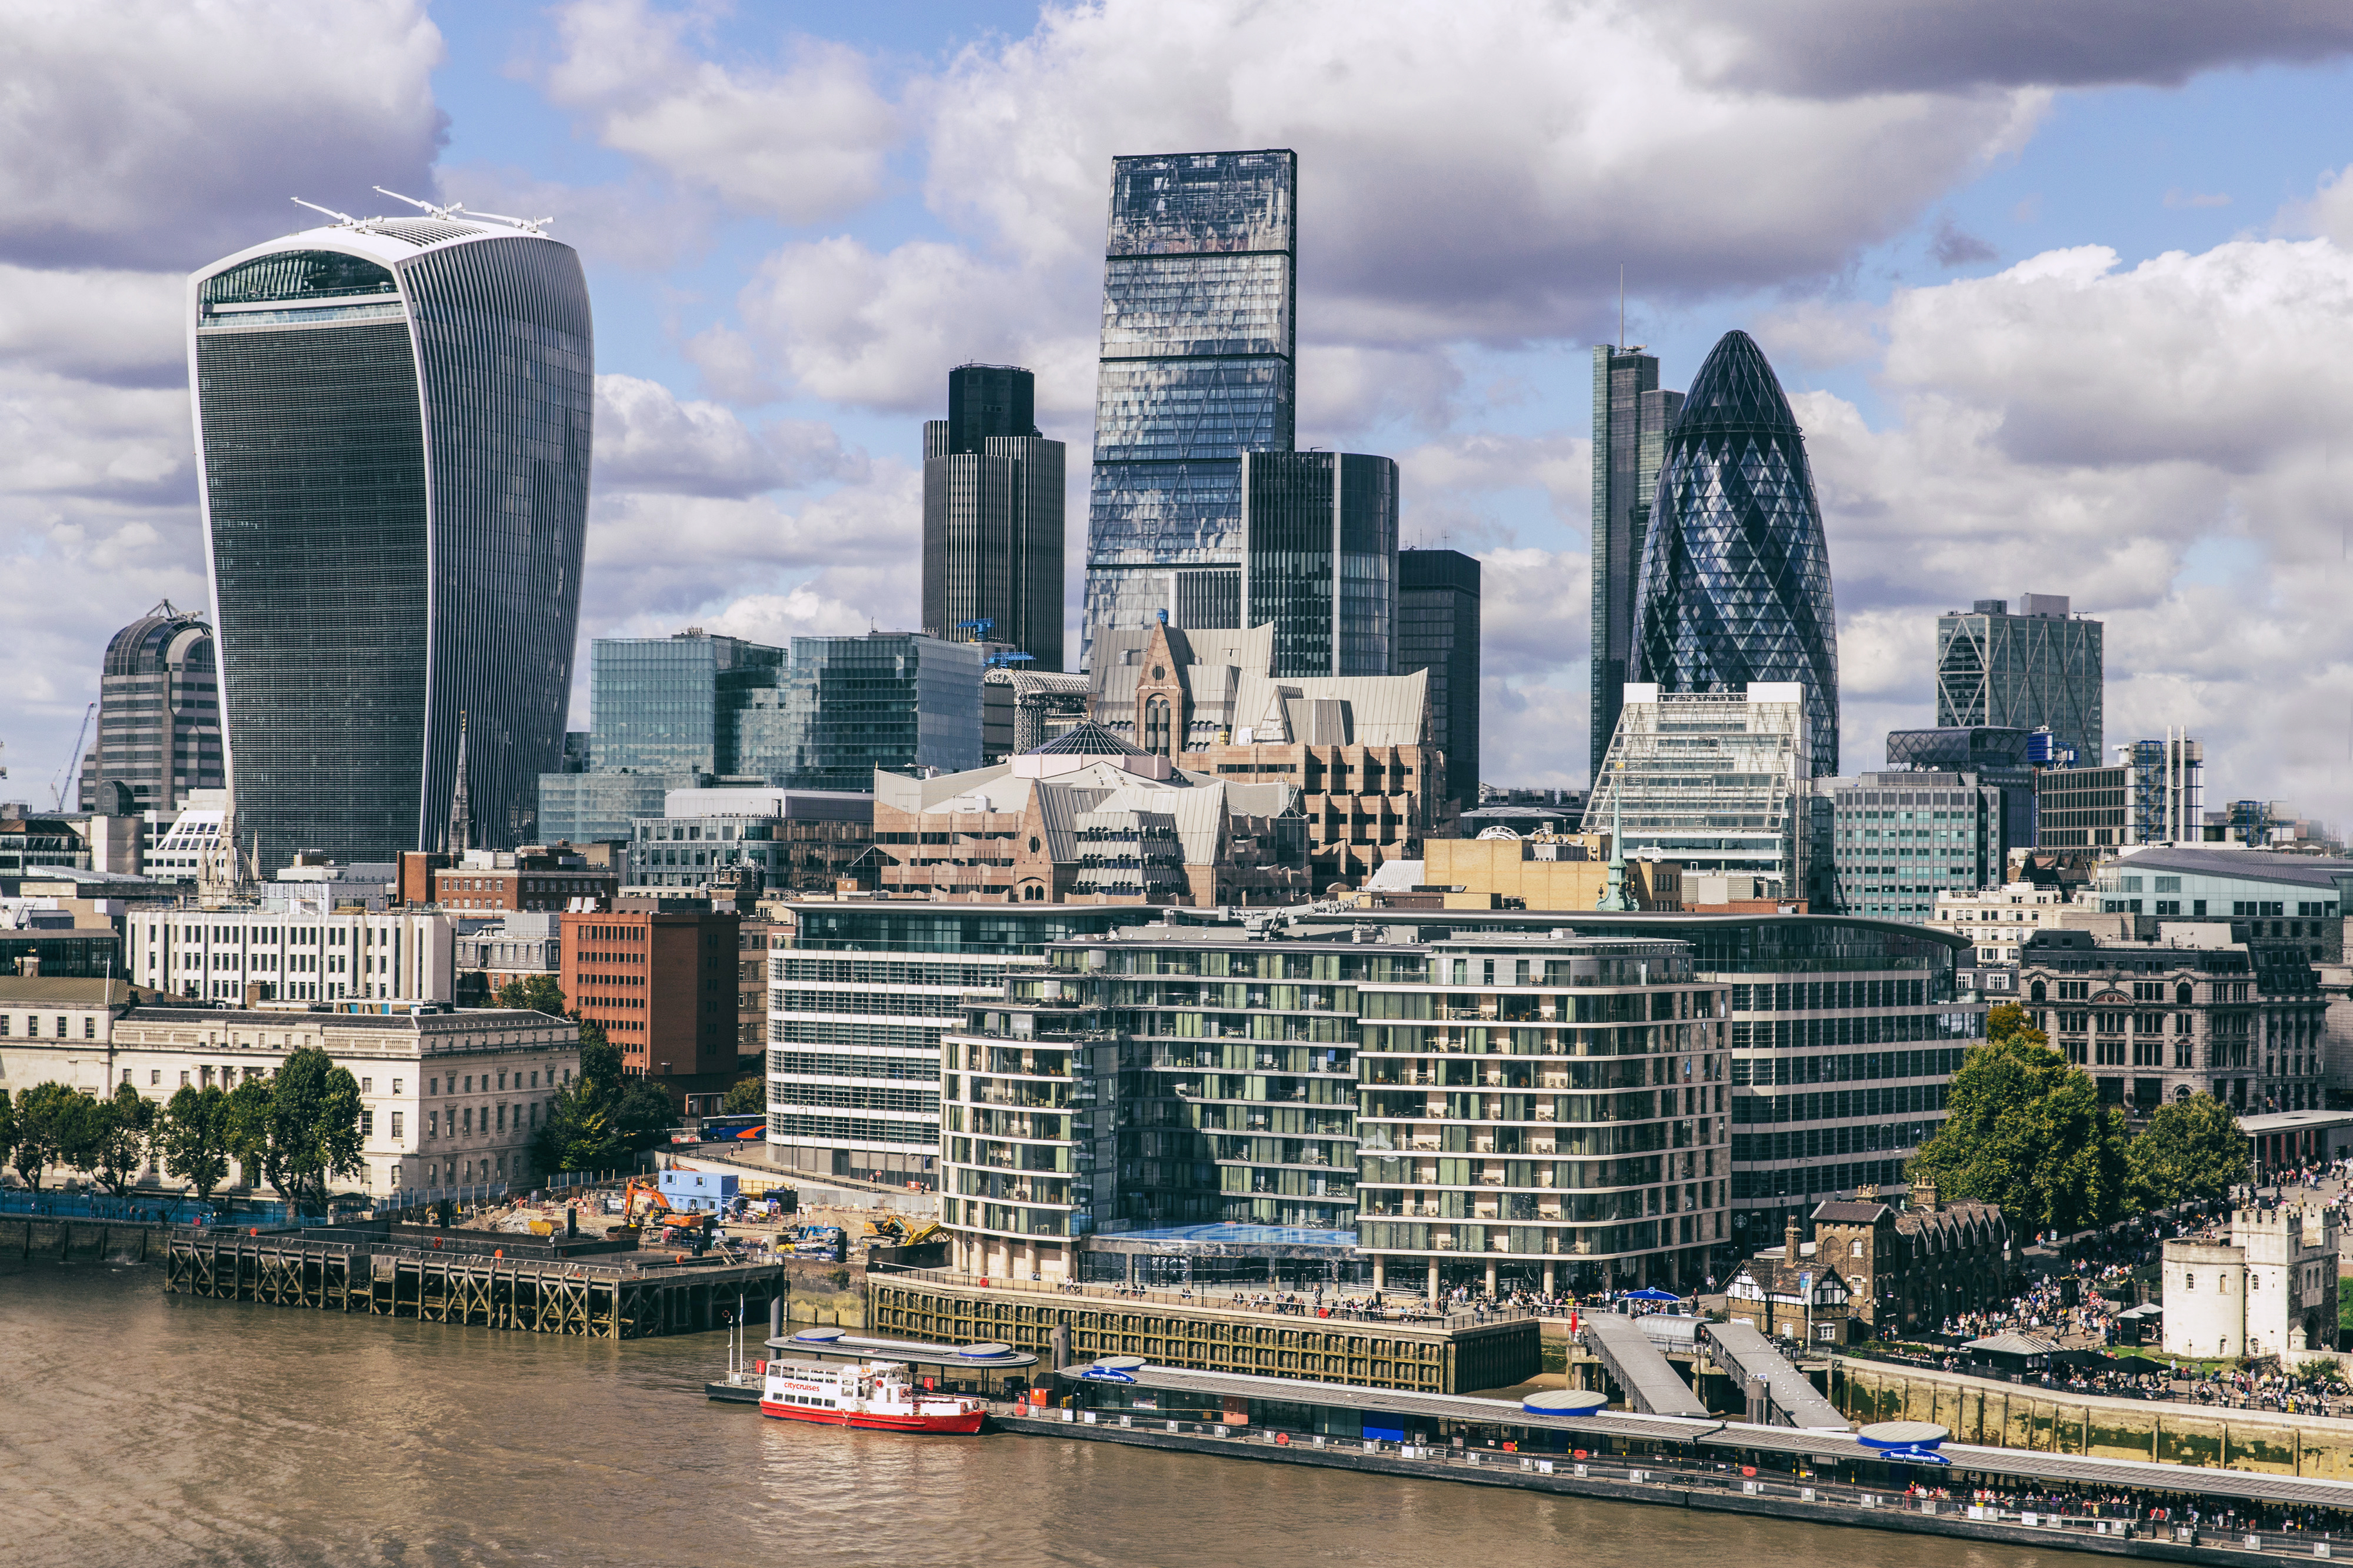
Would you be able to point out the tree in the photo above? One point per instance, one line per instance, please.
(2192, 1150)
(2028, 1131)
(45, 1124)
(299, 1129)
(120, 1132)
(314, 1128)
(746, 1097)
(194, 1138)
(603, 1116)
(533, 993)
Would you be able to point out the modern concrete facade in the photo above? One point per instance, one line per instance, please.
(1716, 782)
(1900, 841)
(238, 955)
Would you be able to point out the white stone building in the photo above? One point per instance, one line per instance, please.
(2271, 1290)
(449, 1097)
(294, 954)
(1999, 919)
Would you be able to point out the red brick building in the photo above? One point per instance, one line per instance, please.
(489, 882)
(659, 977)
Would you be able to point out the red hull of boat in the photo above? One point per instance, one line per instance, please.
(966, 1423)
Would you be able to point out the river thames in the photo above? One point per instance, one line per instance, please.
(140, 1429)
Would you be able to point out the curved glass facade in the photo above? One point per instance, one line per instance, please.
(393, 433)
(1736, 581)
(158, 716)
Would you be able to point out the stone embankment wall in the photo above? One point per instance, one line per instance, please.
(2055, 1421)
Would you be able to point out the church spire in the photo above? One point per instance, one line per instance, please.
(460, 836)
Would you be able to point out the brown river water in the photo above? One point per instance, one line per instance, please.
(137, 1429)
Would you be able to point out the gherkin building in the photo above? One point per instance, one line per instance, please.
(1735, 577)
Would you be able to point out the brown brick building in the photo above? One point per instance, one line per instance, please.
(661, 978)
(1912, 1268)
(488, 882)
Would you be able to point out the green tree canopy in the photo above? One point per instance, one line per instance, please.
(298, 1129)
(2028, 1131)
(115, 1142)
(192, 1138)
(533, 993)
(2192, 1150)
(46, 1129)
(603, 1116)
(745, 1097)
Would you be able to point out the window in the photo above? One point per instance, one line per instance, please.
(90, 1026)
(183, 1078)
(367, 1086)
(397, 1119)
(367, 1124)
(154, 1076)
(395, 1085)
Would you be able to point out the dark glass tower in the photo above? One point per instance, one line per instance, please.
(391, 422)
(993, 518)
(1198, 338)
(1438, 630)
(158, 729)
(1736, 579)
(1319, 559)
(674, 704)
(1630, 418)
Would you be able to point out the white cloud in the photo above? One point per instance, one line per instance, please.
(164, 133)
(650, 442)
(2156, 442)
(642, 225)
(804, 143)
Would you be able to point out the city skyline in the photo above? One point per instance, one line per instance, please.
(759, 464)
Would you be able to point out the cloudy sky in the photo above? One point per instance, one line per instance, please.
(2063, 296)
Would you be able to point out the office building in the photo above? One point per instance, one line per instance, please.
(538, 877)
(392, 432)
(2197, 1011)
(448, 1098)
(249, 955)
(993, 518)
(1088, 818)
(1736, 579)
(1320, 558)
(658, 975)
(1898, 840)
(1021, 710)
(2039, 669)
(1715, 782)
(520, 947)
(671, 705)
(1631, 416)
(2152, 793)
(1999, 922)
(2288, 909)
(1438, 631)
(895, 700)
(1998, 757)
(1500, 870)
(860, 995)
(158, 729)
(1199, 304)
(805, 840)
(598, 808)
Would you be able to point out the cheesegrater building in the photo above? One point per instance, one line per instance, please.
(392, 422)
(1196, 369)
(1735, 577)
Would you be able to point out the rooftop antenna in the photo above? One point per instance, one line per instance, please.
(315, 207)
(412, 201)
(528, 224)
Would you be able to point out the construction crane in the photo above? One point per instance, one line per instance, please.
(73, 762)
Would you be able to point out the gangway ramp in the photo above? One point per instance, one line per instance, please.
(1789, 1397)
(1634, 1363)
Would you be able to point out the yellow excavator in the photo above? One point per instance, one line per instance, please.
(891, 1231)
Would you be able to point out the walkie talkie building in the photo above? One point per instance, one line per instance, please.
(391, 422)
(1198, 338)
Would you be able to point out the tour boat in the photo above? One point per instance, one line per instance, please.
(876, 1393)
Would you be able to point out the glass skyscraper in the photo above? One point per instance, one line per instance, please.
(1197, 337)
(993, 518)
(1438, 630)
(159, 729)
(1631, 416)
(1736, 579)
(393, 423)
(2042, 668)
(1319, 560)
(887, 699)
